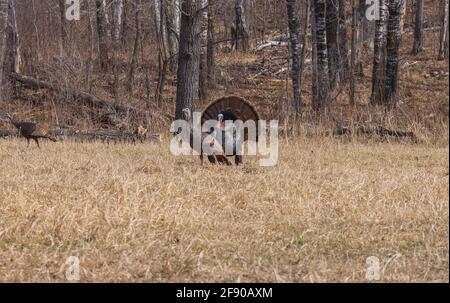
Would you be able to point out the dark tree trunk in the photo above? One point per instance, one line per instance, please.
(354, 54)
(203, 69)
(134, 56)
(124, 26)
(379, 57)
(3, 26)
(393, 46)
(90, 63)
(343, 41)
(314, 76)
(211, 46)
(64, 33)
(103, 33)
(332, 41)
(161, 35)
(443, 36)
(322, 56)
(189, 56)
(242, 42)
(293, 34)
(418, 39)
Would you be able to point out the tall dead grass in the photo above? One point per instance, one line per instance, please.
(136, 213)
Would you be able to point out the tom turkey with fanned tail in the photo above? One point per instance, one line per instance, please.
(231, 108)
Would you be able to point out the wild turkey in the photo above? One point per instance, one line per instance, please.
(231, 109)
(30, 130)
(215, 152)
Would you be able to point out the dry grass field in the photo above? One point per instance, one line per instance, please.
(136, 213)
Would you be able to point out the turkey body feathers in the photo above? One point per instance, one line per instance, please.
(30, 130)
(232, 108)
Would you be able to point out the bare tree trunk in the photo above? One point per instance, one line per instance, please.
(303, 50)
(343, 48)
(134, 56)
(322, 56)
(90, 64)
(332, 41)
(353, 59)
(393, 45)
(161, 35)
(173, 30)
(402, 16)
(117, 20)
(117, 24)
(189, 56)
(379, 57)
(15, 41)
(443, 36)
(314, 77)
(418, 39)
(103, 33)
(242, 40)
(64, 34)
(293, 34)
(203, 76)
(3, 26)
(124, 26)
(211, 61)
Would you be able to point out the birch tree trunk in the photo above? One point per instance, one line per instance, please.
(393, 45)
(189, 56)
(116, 36)
(242, 42)
(293, 34)
(379, 57)
(117, 20)
(161, 35)
(443, 35)
(402, 16)
(15, 41)
(418, 29)
(322, 56)
(3, 26)
(211, 61)
(103, 33)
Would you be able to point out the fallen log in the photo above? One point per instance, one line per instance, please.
(86, 98)
(379, 130)
(91, 135)
(6, 133)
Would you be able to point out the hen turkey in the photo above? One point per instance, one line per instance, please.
(30, 130)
